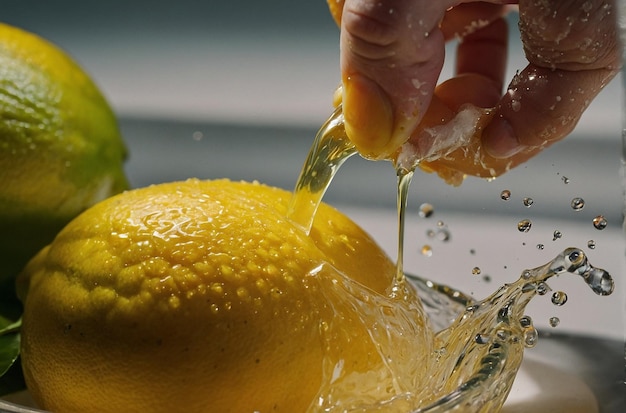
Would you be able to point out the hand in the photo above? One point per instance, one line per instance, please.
(392, 52)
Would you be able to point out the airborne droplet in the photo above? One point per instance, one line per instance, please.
(426, 210)
(554, 321)
(599, 280)
(443, 235)
(600, 222)
(524, 225)
(556, 235)
(505, 195)
(528, 202)
(475, 270)
(591, 244)
(559, 298)
(427, 251)
(578, 204)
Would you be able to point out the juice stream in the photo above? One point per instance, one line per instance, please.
(329, 151)
(463, 358)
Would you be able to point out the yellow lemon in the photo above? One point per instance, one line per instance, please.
(60, 147)
(197, 296)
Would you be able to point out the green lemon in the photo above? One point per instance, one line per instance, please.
(60, 146)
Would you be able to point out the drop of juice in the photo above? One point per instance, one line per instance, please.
(426, 210)
(524, 225)
(559, 298)
(565, 180)
(591, 244)
(427, 251)
(600, 222)
(505, 195)
(556, 235)
(528, 202)
(540, 246)
(476, 271)
(554, 321)
(443, 235)
(578, 204)
(600, 281)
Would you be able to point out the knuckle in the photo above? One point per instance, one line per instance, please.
(570, 35)
(372, 35)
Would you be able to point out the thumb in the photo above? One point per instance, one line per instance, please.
(392, 52)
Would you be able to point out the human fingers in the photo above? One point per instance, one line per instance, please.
(573, 52)
(482, 50)
(392, 53)
(480, 72)
(469, 17)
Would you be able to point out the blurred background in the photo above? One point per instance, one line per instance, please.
(220, 89)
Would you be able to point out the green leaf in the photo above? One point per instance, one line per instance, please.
(9, 343)
(11, 378)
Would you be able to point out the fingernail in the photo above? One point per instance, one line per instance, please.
(499, 140)
(368, 116)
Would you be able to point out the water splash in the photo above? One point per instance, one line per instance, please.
(464, 361)
(470, 361)
(432, 349)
